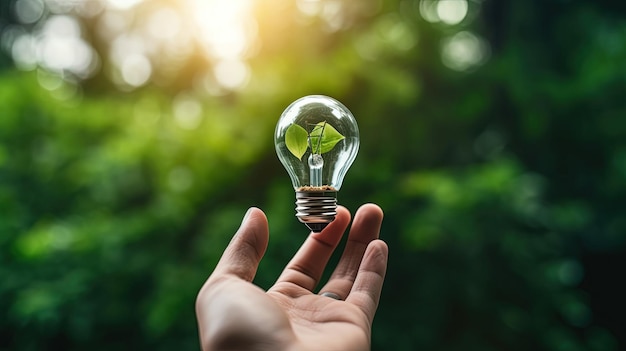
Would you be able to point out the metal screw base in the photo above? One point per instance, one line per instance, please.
(316, 208)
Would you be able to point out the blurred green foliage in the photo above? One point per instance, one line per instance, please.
(503, 182)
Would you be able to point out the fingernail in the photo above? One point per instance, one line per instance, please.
(245, 217)
(243, 221)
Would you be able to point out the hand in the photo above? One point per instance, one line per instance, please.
(234, 314)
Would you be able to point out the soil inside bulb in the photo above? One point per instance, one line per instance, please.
(316, 188)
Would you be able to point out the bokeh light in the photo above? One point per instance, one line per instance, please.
(153, 42)
(136, 69)
(144, 42)
(155, 24)
(187, 111)
(135, 134)
(123, 4)
(57, 46)
(24, 52)
(226, 28)
(428, 10)
(61, 47)
(451, 11)
(463, 51)
(29, 11)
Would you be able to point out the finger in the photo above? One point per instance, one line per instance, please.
(368, 284)
(365, 228)
(307, 265)
(245, 250)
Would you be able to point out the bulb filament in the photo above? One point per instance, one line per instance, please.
(316, 162)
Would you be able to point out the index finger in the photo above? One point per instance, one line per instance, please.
(245, 250)
(307, 265)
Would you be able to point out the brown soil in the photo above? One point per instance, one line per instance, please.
(317, 188)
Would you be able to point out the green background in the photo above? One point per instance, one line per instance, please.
(502, 174)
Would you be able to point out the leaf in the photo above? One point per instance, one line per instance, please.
(296, 139)
(330, 137)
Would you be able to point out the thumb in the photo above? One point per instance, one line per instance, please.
(244, 252)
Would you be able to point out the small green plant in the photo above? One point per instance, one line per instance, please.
(322, 138)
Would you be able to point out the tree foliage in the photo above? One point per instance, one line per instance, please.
(502, 177)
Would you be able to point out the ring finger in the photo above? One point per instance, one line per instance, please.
(366, 227)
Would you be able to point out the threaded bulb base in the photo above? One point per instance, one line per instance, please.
(316, 209)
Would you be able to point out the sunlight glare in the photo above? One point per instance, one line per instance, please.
(225, 27)
(232, 74)
(309, 8)
(332, 12)
(123, 4)
(156, 27)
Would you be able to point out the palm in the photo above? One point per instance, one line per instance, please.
(235, 314)
(324, 322)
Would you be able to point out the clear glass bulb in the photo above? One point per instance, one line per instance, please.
(317, 139)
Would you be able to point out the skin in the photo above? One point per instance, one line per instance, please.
(234, 314)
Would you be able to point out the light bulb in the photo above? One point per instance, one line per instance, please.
(317, 140)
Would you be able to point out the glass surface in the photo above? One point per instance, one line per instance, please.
(309, 113)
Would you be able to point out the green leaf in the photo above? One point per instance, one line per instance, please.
(296, 139)
(329, 135)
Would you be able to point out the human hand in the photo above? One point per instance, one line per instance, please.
(234, 314)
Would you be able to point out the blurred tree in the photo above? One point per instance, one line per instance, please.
(133, 138)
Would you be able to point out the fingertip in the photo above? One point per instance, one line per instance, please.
(254, 230)
(342, 218)
(367, 223)
(254, 214)
(372, 209)
(343, 212)
(242, 255)
(335, 229)
(378, 250)
(376, 258)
